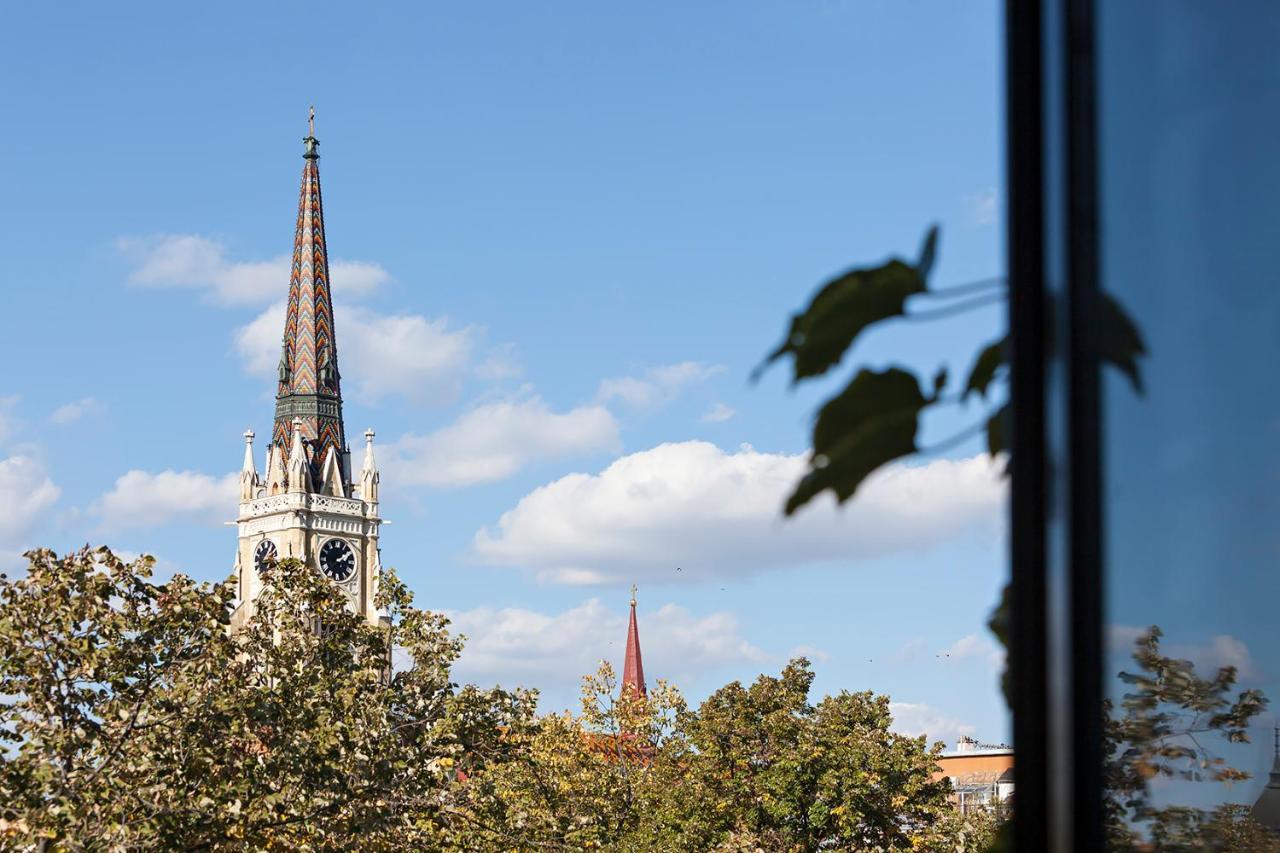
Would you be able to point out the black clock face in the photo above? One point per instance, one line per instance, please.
(265, 553)
(337, 560)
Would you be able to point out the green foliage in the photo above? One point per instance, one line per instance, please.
(1162, 729)
(753, 768)
(875, 419)
(133, 718)
(869, 423)
(847, 305)
(770, 765)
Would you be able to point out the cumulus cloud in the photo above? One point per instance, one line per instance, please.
(657, 385)
(813, 653)
(718, 414)
(495, 440)
(1218, 651)
(553, 651)
(74, 411)
(713, 512)
(143, 499)
(976, 647)
(915, 719)
(200, 263)
(381, 354)
(26, 494)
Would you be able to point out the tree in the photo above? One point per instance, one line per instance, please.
(590, 781)
(135, 720)
(754, 768)
(132, 718)
(1164, 727)
(768, 765)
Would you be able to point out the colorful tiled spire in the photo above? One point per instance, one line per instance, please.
(308, 373)
(633, 666)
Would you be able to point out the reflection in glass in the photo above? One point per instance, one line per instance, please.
(1189, 175)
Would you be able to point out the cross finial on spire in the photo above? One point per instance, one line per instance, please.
(310, 140)
(633, 602)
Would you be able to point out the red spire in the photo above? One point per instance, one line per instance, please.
(633, 667)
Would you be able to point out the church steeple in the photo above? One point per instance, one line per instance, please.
(305, 504)
(633, 666)
(1266, 809)
(308, 381)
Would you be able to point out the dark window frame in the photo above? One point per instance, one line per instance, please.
(1056, 603)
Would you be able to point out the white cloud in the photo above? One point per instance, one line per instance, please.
(199, 263)
(553, 651)
(694, 506)
(1208, 657)
(657, 385)
(501, 363)
(976, 647)
(76, 410)
(380, 354)
(26, 494)
(915, 719)
(718, 414)
(984, 205)
(495, 440)
(143, 499)
(811, 652)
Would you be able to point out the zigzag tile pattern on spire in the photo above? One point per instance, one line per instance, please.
(309, 381)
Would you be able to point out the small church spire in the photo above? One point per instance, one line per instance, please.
(299, 470)
(369, 476)
(249, 467)
(248, 471)
(633, 665)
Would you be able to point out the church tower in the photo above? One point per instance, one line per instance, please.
(308, 503)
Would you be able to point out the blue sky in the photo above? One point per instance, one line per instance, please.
(562, 235)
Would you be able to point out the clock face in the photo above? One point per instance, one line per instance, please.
(265, 553)
(337, 560)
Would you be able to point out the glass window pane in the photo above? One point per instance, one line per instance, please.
(1189, 171)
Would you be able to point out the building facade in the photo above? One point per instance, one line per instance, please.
(981, 775)
(309, 503)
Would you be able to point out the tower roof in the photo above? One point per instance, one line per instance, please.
(1266, 810)
(633, 666)
(308, 374)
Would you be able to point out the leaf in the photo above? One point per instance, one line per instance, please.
(990, 360)
(998, 431)
(847, 305)
(1120, 342)
(871, 422)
